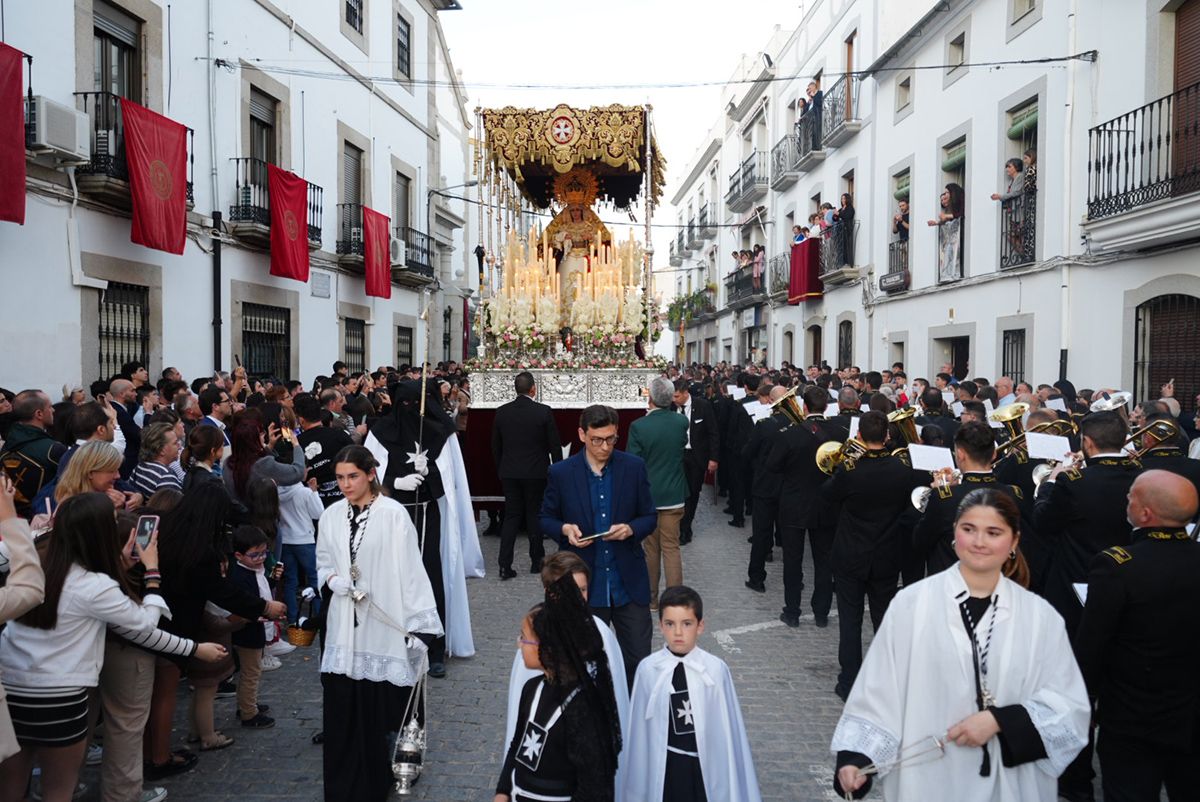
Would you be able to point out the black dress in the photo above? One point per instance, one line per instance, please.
(554, 752)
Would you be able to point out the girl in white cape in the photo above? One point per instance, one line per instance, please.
(970, 691)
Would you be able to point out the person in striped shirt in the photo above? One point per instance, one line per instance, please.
(160, 449)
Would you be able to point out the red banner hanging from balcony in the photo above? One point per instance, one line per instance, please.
(289, 229)
(377, 255)
(12, 136)
(156, 152)
(804, 283)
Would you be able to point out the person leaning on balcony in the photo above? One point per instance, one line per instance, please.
(759, 257)
(951, 201)
(1014, 171)
(900, 222)
(1029, 159)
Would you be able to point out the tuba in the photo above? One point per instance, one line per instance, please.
(905, 420)
(832, 454)
(1012, 417)
(1160, 431)
(1108, 402)
(789, 406)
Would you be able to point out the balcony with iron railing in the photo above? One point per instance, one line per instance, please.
(416, 269)
(839, 112)
(735, 187)
(693, 234)
(250, 212)
(706, 224)
(1018, 230)
(898, 277)
(783, 163)
(676, 258)
(743, 288)
(681, 246)
(837, 253)
(752, 181)
(779, 268)
(106, 175)
(349, 244)
(809, 150)
(1144, 175)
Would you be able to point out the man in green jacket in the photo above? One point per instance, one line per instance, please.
(31, 455)
(660, 439)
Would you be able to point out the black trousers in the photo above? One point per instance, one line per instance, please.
(693, 471)
(522, 501)
(1133, 770)
(793, 569)
(852, 594)
(632, 625)
(741, 485)
(361, 720)
(1077, 782)
(762, 529)
(431, 557)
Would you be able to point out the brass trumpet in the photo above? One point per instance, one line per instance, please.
(789, 405)
(943, 478)
(832, 454)
(1160, 430)
(1042, 472)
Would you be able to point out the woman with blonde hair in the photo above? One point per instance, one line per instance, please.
(95, 468)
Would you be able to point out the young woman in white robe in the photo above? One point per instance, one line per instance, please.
(1007, 706)
(367, 555)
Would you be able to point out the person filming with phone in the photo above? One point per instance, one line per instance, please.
(598, 504)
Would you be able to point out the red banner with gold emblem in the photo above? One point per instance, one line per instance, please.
(377, 253)
(156, 152)
(289, 229)
(12, 136)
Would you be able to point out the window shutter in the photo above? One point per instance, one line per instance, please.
(400, 201)
(262, 107)
(352, 174)
(1187, 44)
(116, 23)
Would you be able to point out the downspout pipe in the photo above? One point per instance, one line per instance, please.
(217, 282)
(1068, 132)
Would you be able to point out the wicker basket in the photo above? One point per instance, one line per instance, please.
(298, 636)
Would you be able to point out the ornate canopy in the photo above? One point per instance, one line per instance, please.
(537, 146)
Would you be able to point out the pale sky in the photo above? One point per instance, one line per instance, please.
(567, 43)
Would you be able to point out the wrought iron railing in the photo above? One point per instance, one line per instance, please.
(837, 246)
(1018, 230)
(754, 172)
(742, 284)
(702, 218)
(784, 156)
(691, 231)
(418, 250)
(266, 340)
(735, 186)
(897, 278)
(950, 250)
(1145, 155)
(108, 139)
(840, 106)
(779, 269)
(680, 245)
(808, 135)
(252, 197)
(350, 230)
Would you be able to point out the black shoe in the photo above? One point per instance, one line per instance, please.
(536, 568)
(507, 573)
(259, 722)
(437, 670)
(792, 621)
(770, 557)
(750, 539)
(685, 539)
(318, 738)
(740, 523)
(821, 620)
(226, 690)
(261, 709)
(757, 587)
(727, 511)
(178, 764)
(842, 691)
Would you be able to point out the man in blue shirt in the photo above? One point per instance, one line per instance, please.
(604, 490)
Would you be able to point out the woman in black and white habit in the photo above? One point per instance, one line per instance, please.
(970, 691)
(368, 556)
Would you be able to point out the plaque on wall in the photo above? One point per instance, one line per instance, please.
(320, 284)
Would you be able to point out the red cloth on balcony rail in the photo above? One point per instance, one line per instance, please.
(289, 227)
(377, 254)
(156, 152)
(12, 136)
(803, 282)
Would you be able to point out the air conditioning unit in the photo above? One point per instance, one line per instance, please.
(399, 251)
(356, 236)
(59, 130)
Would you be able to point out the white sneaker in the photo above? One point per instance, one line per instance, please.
(270, 662)
(95, 754)
(280, 648)
(153, 795)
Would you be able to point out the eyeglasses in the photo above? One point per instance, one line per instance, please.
(524, 642)
(603, 441)
(255, 555)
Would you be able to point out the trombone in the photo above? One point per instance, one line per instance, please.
(1158, 432)
(1060, 427)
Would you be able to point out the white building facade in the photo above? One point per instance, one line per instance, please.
(358, 97)
(1094, 273)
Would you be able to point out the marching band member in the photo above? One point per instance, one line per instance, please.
(1170, 454)
(767, 486)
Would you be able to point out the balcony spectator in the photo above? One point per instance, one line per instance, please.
(950, 240)
(798, 235)
(844, 230)
(758, 261)
(827, 216)
(1011, 202)
(900, 222)
(815, 96)
(737, 261)
(1030, 171)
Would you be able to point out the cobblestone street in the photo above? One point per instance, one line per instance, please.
(784, 679)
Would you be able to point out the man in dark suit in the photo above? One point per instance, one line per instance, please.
(601, 489)
(936, 414)
(700, 455)
(741, 426)
(524, 444)
(122, 396)
(867, 497)
(766, 490)
(1170, 454)
(849, 406)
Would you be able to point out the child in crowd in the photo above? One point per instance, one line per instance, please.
(686, 741)
(299, 508)
(250, 549)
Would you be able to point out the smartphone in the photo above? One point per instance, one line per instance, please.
(596, 536)
(147, 525)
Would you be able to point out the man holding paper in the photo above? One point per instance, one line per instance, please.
(598, 505)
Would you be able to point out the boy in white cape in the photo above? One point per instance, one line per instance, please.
(685, 740)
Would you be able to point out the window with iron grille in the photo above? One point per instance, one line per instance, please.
(845, 344)
(1012, 358)
(124, 327)
(266, 340)
(354, 14)
(403, 47)
(354, 349)
(1167, 343)
(404, 345)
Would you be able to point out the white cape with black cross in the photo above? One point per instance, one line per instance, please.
(725, 759)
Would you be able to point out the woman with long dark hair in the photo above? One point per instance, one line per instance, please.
(252, 456)
(193, 541)
(970, 690)
(51, 656)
